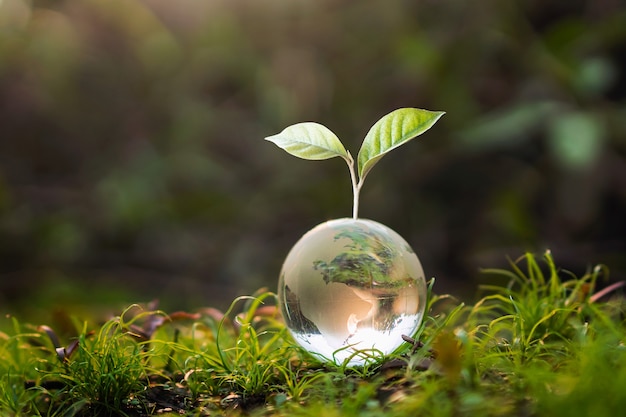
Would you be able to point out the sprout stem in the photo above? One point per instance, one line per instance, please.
(356, 187)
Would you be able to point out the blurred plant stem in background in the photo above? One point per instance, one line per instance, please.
(132, 164)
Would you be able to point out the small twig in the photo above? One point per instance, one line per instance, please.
(422, 365)
(416, 343)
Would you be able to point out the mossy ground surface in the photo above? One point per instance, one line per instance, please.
(543, 343)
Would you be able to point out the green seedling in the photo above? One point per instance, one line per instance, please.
(314, 141)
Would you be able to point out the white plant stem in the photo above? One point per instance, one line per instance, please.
(356, 187)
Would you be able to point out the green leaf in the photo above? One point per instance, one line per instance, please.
(391, 131)
(309, 141)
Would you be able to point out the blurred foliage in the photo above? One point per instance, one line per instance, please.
(132, 163)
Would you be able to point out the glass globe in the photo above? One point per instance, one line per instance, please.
(349, 289)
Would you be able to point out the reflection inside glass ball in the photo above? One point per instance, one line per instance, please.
(349, 289)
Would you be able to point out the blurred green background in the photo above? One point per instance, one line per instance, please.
(133, 165)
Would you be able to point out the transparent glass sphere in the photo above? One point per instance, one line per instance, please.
(351, 285)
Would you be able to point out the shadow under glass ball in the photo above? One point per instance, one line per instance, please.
(350, 285)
